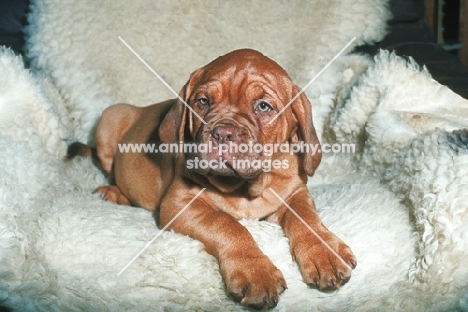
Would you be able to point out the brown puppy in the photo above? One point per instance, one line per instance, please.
(236, 95)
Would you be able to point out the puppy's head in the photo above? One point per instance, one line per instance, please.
(234, 106)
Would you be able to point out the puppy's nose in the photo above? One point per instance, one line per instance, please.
(225, 133)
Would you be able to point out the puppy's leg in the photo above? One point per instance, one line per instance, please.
(250, 276)
(110, 192)
(324, 260)
(115, 122)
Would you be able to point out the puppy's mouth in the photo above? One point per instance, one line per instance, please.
(228, 151)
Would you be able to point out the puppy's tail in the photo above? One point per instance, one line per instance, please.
(80, 149)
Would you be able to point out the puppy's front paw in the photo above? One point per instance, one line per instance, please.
(253, 282)
(326, 264)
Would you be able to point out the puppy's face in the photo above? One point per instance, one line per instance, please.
(237, 96)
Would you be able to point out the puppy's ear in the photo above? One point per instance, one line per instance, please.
(172, 128)
(302, 109)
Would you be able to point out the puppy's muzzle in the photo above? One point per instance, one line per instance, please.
(225, 134)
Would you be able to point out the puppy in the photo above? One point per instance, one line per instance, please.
(239, 99)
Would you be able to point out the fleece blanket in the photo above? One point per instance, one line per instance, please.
(398, 201)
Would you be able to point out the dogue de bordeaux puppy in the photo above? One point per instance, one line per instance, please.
(229, 101)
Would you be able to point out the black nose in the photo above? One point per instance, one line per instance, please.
(224, 133)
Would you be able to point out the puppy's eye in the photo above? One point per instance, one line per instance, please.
(264, 107)
(203, 101)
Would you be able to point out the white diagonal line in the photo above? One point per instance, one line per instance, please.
(313, 79)
(159, 77)
(160, 232)
(311, 229)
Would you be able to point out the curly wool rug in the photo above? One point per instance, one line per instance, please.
(398, 201)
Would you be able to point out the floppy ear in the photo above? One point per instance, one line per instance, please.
(172, 128)
(302, 109)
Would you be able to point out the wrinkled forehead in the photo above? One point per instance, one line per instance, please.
(245, 62)
(248, 71)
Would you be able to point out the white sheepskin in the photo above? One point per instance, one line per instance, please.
(399, 202)
(77, 43)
